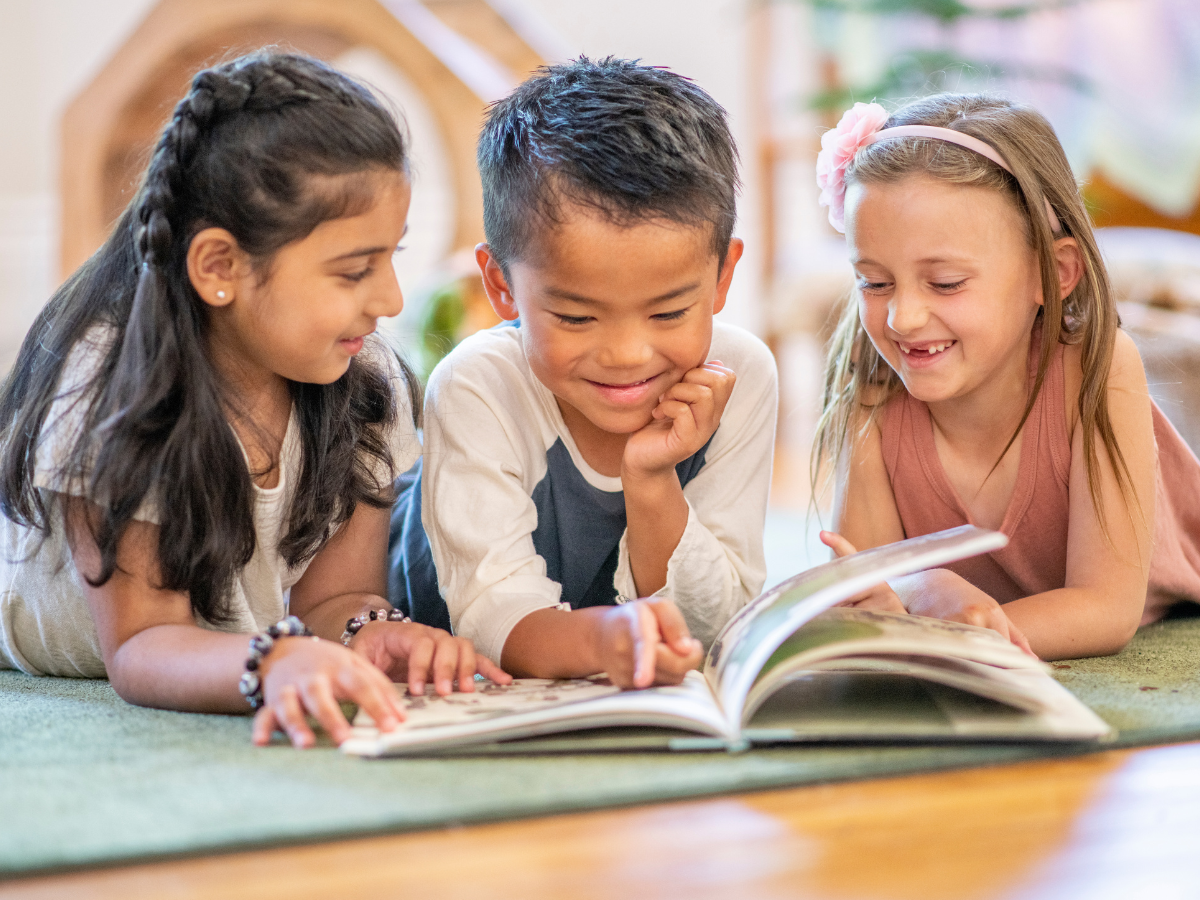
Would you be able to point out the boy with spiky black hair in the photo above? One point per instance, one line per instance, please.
(612, 442)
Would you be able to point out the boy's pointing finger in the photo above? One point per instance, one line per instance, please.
(671, 625)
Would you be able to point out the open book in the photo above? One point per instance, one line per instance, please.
(789, 667)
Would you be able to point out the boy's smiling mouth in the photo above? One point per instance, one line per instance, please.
(626, 394)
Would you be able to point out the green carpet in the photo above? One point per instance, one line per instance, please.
(86, 779)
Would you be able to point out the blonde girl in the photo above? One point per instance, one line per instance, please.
(979, 375)
(201, 430)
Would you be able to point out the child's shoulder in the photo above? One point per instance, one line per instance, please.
(1125, 373)
(751, 360)
(490, 365)
(741, 349)
(482, 354)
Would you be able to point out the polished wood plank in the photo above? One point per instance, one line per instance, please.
(1115, 824)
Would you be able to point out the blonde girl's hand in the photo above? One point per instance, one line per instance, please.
(304, 676)
(686, 416)
(418, 654)
(943, 594)
(880, 598)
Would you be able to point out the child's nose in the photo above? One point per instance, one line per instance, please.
(624, 348)
(388, 300)
(907, 311)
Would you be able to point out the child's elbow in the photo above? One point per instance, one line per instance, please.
(1118, 636)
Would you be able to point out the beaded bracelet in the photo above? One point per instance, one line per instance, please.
(376, 615)
(250, 685)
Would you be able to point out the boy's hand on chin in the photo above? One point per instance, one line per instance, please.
(686, 416)
(646, 642)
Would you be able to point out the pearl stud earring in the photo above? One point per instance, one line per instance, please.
(220, 295)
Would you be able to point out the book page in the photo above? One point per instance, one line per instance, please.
(531, 707)
(857, 640)
(879, 706)
(755, 633)
(490, 700)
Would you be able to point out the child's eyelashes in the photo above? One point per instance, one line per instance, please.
(356, 277)
(672, 316)
(882, 287)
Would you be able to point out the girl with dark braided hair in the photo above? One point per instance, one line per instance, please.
(201, 431)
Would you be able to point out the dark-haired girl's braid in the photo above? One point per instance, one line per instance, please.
(257, 85)
(211, 94)
(237, 154)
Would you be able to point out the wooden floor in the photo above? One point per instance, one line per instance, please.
(1110, 825)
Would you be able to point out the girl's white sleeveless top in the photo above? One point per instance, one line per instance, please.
(46, 626)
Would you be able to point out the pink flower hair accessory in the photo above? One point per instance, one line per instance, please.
(856, 129)
(862, 125)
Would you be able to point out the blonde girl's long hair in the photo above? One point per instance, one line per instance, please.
(858, 382)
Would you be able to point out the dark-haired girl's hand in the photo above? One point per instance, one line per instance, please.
(419, 654)
(309, 677)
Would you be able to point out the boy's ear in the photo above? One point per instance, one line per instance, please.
(725, 276)
(495, 284)
(215, 263)
(1069, 261)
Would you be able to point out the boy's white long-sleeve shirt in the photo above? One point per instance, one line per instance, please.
(493, 433)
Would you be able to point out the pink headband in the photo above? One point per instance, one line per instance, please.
(861, 126)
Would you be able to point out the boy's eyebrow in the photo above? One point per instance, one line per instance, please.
(588, 301)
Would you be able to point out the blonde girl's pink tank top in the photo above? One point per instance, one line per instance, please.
(1036, 520)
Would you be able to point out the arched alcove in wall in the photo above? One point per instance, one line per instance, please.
(111, 125)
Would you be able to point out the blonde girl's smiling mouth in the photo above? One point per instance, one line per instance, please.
(921, 354)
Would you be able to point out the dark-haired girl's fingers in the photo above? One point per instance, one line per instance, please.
(290, 714)
(445, 663)
(466, 665)
(374, 695)
(317, 694)
(420, 657)
(264, 727)
(379, 702)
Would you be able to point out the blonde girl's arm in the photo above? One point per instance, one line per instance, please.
(156, 655)
(866, 516)
(1099, 609)
(348, 577)
(864, 507)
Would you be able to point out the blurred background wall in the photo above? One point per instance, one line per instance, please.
(86, 83)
